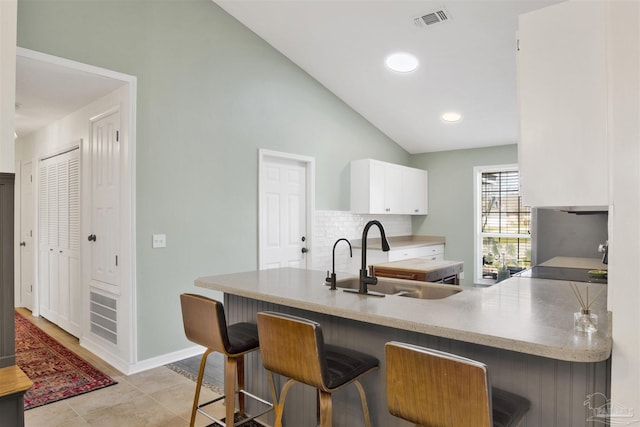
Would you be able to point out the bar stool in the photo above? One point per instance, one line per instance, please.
(433, 388)
(205, 324)
(294, 347)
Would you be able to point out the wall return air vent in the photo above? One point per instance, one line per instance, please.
(431, 18)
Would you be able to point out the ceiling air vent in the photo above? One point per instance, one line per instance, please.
(431, 18)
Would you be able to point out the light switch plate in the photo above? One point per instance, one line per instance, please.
(159, 241)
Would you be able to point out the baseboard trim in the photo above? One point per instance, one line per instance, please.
(144, 365)
(165, 359)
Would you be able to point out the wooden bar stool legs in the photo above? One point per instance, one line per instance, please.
(294, 348)
(205, 324)
(278, 402)
(196, 399)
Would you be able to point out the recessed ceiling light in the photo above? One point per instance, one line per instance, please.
(451, 117)
(402, 62)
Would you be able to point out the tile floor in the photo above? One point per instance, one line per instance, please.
(158, 397)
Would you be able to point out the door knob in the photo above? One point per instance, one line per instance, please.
(23, 243)
(92, 237)
(305, 250)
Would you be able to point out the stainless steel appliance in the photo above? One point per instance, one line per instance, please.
(561, 233)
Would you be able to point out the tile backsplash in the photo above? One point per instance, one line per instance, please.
(330, 226)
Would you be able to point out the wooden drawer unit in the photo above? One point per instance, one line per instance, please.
(447, 273)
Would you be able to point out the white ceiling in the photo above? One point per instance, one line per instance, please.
(467, 64)
(46, 92)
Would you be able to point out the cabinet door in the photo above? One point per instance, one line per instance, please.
(562, 150)
(393, 188)
(377, 188)
(386, 188)
(414, 191)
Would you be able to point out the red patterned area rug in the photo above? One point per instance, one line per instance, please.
(56, 372)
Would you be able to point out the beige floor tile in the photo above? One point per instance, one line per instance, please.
(179, 398)
(157, 379)
(58, 414)
(141, 411)
(104, 398)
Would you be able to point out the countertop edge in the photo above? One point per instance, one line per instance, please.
(537, 349)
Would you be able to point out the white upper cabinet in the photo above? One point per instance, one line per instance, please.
(562, 85)
(386, 188)
(414, 191)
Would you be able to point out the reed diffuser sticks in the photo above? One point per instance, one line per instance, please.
(585, 305)
(584, 320)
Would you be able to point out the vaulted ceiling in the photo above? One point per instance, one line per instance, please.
(467, 62)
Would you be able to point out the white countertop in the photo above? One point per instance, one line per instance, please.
(533, 316)
(575, 262)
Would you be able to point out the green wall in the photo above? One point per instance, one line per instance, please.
(210, 94)
(451, 197)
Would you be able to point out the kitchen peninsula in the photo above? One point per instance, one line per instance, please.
(521, 328)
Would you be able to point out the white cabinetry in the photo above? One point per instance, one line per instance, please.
(377, 256)
(562, 152)
(386, 188)
(414, 191)
(433, 253)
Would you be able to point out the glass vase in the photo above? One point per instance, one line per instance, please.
(585, 321)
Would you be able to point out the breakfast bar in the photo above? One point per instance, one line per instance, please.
(521, 328)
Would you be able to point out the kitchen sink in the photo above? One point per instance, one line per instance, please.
(432, 292)
(403, 288)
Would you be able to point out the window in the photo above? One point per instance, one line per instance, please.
(503, 237)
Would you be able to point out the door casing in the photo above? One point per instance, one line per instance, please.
(309, 165)
(126, 361)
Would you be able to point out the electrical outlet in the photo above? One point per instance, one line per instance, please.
(461, 275)
(159, 241)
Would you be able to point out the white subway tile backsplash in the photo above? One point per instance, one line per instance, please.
(332, 225)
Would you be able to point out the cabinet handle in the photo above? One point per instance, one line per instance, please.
(23, 243)
(91, 238)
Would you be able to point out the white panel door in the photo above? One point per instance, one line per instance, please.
(284, 226)
(105, 181)
(26, 235)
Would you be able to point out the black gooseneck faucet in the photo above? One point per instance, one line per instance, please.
(332, 279)
(366, 280)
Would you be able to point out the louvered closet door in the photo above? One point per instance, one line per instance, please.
(48, 240)
(60, 214)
